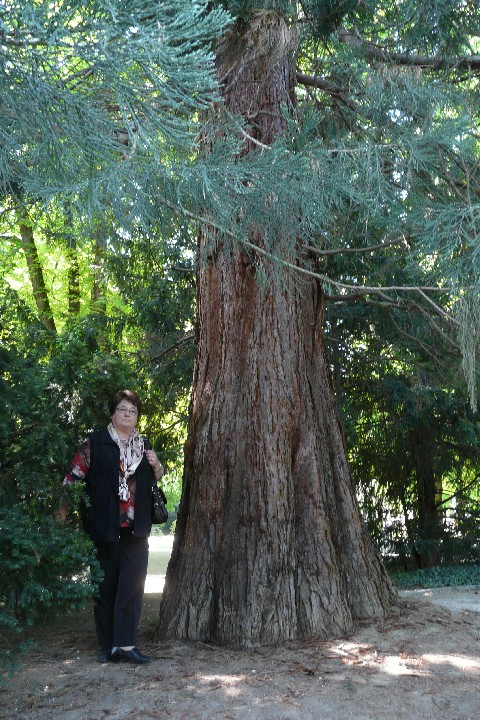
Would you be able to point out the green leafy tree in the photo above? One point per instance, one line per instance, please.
(95, 97)
(412, 435)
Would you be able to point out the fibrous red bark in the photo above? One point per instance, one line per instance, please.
(270, 544)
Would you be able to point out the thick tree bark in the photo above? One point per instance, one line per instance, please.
(37, 280)
(270, 544)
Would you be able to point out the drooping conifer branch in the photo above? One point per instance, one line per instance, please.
(431, 62)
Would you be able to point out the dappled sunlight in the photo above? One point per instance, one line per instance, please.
(230, 684)
(396, 665)
(367, 656)
(459, 662)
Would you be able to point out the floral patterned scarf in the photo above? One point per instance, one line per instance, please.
(131, 453)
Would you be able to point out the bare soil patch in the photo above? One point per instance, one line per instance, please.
(422, 662)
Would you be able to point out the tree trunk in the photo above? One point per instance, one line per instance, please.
(430, 529)
(270, 544)
(98, 297)
(74, 298)
(73, 278)
(37, 280)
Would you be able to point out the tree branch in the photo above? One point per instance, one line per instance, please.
(430, 321)
(341, 251)
(440, 311)
(358, 290)
(174, 346)
(422, 344)
(464, 62)
(459, 493)
(328, 87)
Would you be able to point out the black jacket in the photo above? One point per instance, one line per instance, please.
(100, 515)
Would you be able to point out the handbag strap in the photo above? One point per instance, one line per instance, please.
(155, 484)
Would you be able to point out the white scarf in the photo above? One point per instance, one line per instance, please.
(131, 453)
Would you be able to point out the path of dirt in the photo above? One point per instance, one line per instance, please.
(422, 663)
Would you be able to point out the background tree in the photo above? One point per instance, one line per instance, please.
(412, 435)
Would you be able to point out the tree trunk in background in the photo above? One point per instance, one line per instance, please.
(74, 299)
(37, 280)
(270, 544)
(429, 518)
(73, 289)
(98, 298)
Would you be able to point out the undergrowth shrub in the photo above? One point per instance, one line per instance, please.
(44, 568)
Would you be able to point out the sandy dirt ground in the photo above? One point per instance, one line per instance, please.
(422, 662)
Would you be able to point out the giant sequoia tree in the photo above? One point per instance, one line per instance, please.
(270, 544)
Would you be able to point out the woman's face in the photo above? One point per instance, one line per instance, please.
(125, 417)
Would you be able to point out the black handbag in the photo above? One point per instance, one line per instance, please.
(159, 510)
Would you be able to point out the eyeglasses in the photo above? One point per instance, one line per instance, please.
(130, 411)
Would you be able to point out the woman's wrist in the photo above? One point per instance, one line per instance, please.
(158, 471)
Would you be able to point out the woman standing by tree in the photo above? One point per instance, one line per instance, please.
(118, 468)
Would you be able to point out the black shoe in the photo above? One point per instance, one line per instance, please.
(104, 656)
(132, 656)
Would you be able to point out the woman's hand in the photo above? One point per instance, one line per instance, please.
(155, 463)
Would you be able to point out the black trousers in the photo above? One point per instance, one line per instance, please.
(119, 601)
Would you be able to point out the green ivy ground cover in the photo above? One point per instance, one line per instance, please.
(440, 576)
